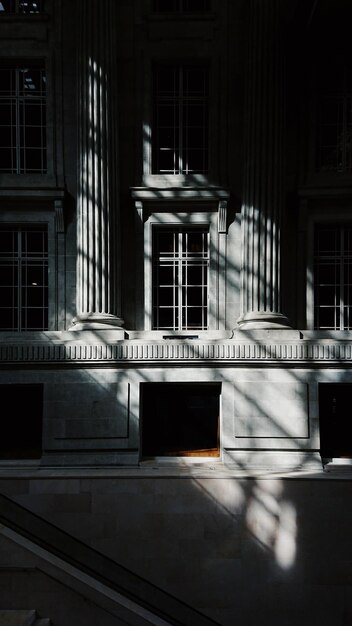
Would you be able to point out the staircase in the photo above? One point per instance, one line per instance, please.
(134, 599)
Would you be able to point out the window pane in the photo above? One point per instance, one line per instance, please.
(194, 296)
(22, 119)
(165, 319)
(8, 318)
(183, 284)
(166, 275)
(6, 160)
(329, 295)
(8, 243)
(8, 275)
(24, 278)
(166, 296)
(327, 317)
(180, 119)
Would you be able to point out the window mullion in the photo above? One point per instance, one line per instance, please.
(342, 322)
(19, 280)
(17, 105)
(180, 120)
(179, 281)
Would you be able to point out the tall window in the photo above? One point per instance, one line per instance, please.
(334, 149)
(180, 278)
(21, 6)
(22, 119)
(333, 277)
(180, 119)
(181, 6)
(23, 278)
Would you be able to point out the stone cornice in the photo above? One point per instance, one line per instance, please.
(128, 353)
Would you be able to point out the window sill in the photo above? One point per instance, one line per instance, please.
(178, 335)
(179, 192)
(338, 465)
(160, 181)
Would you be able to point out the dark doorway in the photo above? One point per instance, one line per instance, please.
(180, 419)
(21, 421)
(335, 417)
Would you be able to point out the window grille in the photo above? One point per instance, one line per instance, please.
(23, 278)
(21, 6)
(180, 120)
(22, 119)
(180, 278)
(181, 6)
(333, 277)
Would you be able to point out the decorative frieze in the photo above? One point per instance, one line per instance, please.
(311, 353)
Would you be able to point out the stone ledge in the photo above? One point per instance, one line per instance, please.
(230, 352)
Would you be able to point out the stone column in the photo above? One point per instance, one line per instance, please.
(98, 265)
(263, 193)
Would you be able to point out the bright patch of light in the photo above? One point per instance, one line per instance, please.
(285, 544)
(272, 521)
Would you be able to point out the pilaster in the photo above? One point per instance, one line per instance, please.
(263, 193)
(98, 266)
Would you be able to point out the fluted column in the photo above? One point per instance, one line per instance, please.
(263, 193)
(98, 265)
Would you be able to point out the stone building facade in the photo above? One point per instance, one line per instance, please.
(175, 347)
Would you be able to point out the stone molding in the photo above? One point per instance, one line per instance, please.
(312, 353)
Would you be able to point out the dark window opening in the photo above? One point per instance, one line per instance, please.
(180, 278)
(334, 117)
(181, 6)
(21, 421)
(180, 120)
(21, 6)
(22, 119)
(23, 278)
(180, 419)
(335, 420)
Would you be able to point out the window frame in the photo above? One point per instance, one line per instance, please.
(53, 109)
(212, 215)
(15, 97)
(50, 216)
(180, 101)
(318, 211)
(342, 312)
(218, 390)
(214, 155)
(18, 264)
(181, 261)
